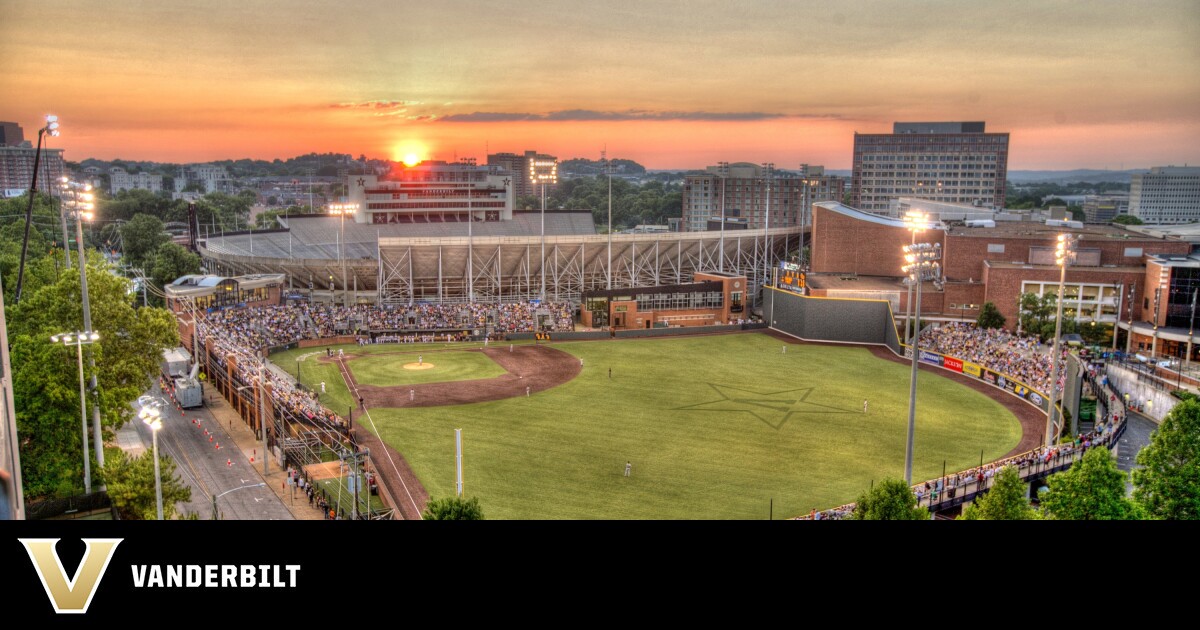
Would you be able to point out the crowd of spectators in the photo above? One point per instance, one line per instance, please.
(243, 332)
(278, 325)
(1020, 357)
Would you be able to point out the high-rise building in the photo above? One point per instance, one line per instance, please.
(11, 134)
(955, 162)
(743, 188)
(519, 167)
(16, 163)
(1167, 194)
(434, 192)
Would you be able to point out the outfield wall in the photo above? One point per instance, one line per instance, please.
(838, 320)
(637, 333)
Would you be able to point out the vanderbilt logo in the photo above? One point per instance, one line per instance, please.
(71, 596)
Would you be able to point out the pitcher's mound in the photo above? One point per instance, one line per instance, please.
(418, 366)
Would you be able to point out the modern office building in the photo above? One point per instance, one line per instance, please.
(1105, 208)
(1167, 194)
(520, 167)
(954, 162)
(746, 196)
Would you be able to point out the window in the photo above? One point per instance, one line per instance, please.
(1133, 252)
(995, 248)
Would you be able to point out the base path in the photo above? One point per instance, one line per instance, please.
(537, 367)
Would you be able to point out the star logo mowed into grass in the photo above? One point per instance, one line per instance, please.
(773, 408)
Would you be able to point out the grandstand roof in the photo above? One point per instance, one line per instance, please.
(318, 236)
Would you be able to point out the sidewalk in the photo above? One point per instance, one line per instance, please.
(250, 445)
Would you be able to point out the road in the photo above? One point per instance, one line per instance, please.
(208, 470)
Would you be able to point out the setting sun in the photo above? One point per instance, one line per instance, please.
(411, 152)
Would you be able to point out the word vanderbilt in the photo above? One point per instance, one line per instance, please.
(215, 575)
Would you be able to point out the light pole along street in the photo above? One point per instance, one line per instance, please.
(151, 414)
(81, 208)
(78, 340)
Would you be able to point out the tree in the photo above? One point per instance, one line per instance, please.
(889, 500)
(990, 317)
(142, 236)
(130, 483)
(1128, 219)
(453, 509)
(1005, 501)
(1093, 489)
(1168, 482)
(45, 375)
(172, 261)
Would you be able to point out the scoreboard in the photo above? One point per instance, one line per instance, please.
(792, 278)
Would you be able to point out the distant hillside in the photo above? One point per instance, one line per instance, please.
(584, 166)
(1087, 175)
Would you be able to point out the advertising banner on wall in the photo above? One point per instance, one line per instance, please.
(974, 370)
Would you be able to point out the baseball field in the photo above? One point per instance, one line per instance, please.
(718, 427)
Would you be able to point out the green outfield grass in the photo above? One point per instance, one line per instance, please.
(715, 427)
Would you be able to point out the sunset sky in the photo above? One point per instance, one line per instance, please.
(670, 84)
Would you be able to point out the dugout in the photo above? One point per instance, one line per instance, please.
(714, 298)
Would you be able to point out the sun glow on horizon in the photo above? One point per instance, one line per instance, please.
(410, 152)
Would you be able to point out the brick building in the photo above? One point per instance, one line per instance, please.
(713, 298)
(858, 254)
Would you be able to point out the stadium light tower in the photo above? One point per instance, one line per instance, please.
(81, 206)
(916, 222)
(608, 171)
(79, 339)
(1064, 253)
(341, 210)
(723, 171)
(51, 128)
(922, 266)
(544, 172)
(769, 167)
